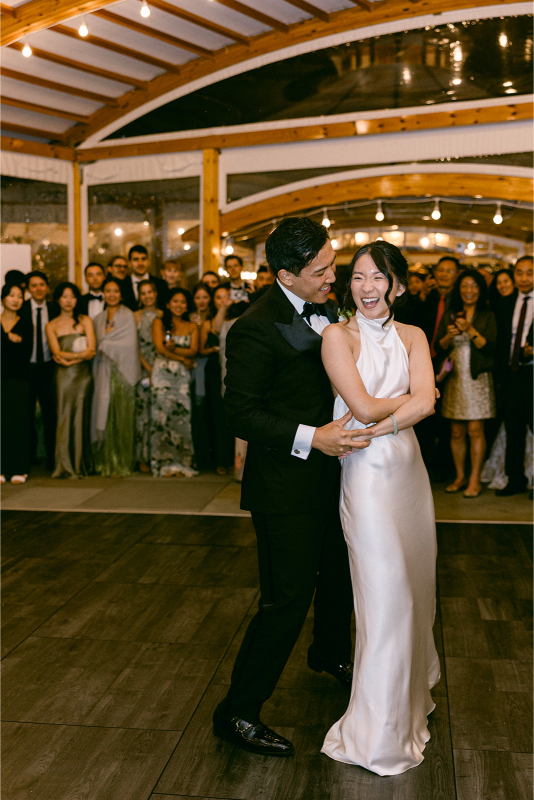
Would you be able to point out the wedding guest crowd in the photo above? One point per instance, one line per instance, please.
(131, 374)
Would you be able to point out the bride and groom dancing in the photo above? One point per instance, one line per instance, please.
(372, 544)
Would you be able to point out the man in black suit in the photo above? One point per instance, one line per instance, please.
(38, 311)
(513, 372)
(92, 303)
(279, 399)
(138, 263)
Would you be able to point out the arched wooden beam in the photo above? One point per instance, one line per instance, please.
(381, 187)
(305, 31)
(14, 145)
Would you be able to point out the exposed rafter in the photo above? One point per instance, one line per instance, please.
(247, 11)
(40, 14)
(365, 4)
(10, 126)
(146, 30)
(309, 9)
(200, 21)
(117, 48)
(57, 87)
(12, 145)
(7, 11)
(52, 112)
(82, 67)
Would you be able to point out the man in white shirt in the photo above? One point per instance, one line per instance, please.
(92, 303)
(514, 322)
(41, 369)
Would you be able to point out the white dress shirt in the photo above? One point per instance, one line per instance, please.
(44, 319)
(302, 444)
(528, 319)
(95, 307)
(136, 280)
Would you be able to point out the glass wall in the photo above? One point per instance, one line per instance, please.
(35, 213)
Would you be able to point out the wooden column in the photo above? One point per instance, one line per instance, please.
(77, 222)
(210, 217)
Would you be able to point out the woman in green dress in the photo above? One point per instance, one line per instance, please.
(117, 371)
(144, 317)
(176, 342)
(71, 339)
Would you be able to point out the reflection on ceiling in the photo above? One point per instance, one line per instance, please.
(466, 61)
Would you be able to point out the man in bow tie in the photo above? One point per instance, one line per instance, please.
(138, 262)
(279, 399)
(92, 303)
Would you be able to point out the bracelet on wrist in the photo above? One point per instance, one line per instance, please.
(395, 426)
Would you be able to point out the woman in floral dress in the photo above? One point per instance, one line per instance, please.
(176, 342)
(144, 317)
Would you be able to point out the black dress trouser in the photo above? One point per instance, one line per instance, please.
(42, 388)
(517, 408)
(297, 554)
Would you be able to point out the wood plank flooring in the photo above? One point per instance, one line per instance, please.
(120, 631)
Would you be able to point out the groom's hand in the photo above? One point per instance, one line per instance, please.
(334, 440)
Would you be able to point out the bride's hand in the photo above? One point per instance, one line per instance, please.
(334, 440)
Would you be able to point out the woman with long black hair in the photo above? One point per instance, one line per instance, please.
(71, 339)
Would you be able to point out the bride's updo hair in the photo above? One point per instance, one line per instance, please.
(391, 263)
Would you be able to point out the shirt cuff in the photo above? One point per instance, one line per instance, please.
(302, 444)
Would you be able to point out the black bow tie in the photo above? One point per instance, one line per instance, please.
(96, 297)
(313, 308)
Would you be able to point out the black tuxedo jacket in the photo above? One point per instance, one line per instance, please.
(276, 381)
(26, 312)
(504, 313)
(83, 305)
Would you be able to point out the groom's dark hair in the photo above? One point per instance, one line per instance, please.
(294, 243)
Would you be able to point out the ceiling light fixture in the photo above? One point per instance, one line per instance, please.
(507, 83)
(503, 40)
(26, 50)
(498, 215)
(436, 214)
(83, 30)
(181, 231)
(379, 216)
(474, 222)
(326, 219)
(510, 91)
(456, 81)
(145, 10)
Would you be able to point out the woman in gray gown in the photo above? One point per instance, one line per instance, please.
(71, 340)
(144, 317)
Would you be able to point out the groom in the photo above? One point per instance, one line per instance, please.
(278, 398)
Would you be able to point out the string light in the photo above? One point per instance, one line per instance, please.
(334, 243)
(503, 40)
(436, 214)
(456, 81)
(424, 242)
(326, 219)
(118, 231)
(145, 10)
(83, 30)
(471, 246)
(510, 91)
(187, 247)
(26, 50)
(379, 216)
(229, 249)
(498, 215)
(181, 231)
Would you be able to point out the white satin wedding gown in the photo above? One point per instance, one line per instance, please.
(387, 512)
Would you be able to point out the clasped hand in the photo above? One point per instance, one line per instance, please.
(334, 440)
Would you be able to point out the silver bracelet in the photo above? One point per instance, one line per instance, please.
(395, 426)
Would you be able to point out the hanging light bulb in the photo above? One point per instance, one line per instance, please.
(181, 231)
(436, 214)
(498, 215)
(379, 216)
(145, 10)
(229, 248)
(26, 50)
(83, 30)
(326, 219)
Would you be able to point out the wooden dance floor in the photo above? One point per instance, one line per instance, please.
(120, 631)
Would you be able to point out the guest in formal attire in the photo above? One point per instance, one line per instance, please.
(17, 343)
(264, 281)
(239, 290)
(211, 279)
(14, 277)
(171, 274)
(514, 373)
(144, 317)
(221, 438)
(118, 268)
(468, 334)
(434, 432)
(71, 339)
(410, 309)
(117, 371)
(92, 303)
(38, 312)
(176, 342)
(502, 286)
(202, 299)
(138, 262)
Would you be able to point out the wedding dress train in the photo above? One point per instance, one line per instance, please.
(387, 513)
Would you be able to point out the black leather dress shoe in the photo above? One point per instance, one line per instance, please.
(256, 738)
(509, 490)
(341, 672)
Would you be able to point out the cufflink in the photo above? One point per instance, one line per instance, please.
(297, 452)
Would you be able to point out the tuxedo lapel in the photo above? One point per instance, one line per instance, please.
(299, 334)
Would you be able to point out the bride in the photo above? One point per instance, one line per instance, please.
(387, 514)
